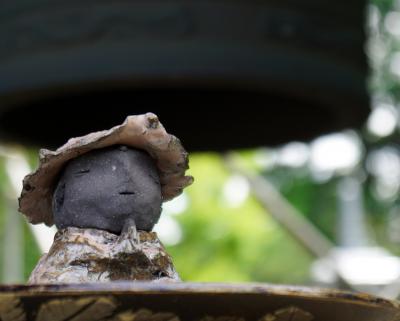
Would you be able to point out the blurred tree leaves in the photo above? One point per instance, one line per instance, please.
(225, 243)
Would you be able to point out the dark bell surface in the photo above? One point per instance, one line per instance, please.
(257, 72)
(105, 188)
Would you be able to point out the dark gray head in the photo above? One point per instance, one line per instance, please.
(104, 188)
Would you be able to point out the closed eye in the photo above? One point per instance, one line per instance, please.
(126, 193)
(82, 171)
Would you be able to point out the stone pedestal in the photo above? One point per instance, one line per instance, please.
(183, 301)
(90, 255)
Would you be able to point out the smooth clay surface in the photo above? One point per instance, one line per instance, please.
(106, 188)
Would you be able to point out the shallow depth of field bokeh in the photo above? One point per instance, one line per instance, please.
(218, 231)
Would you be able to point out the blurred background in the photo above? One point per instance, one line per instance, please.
(309, 206)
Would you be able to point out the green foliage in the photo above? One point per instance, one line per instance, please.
(225, 243)
(383, 5)
(8, 206)
(31, 251)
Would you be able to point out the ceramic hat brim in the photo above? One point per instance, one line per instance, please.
(140, 131)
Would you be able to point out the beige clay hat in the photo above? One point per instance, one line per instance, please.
(140, 131)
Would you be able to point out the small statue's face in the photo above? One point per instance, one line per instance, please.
(104, 188)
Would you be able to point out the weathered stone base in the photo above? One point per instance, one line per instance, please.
(90, 255)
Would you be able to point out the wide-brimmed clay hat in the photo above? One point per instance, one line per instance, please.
(140, 131)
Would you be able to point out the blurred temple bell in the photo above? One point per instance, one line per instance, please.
(286, 70)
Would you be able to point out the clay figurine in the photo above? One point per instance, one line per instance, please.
(108, 189)
(104, 193)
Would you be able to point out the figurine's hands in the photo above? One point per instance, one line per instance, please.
(129, 229)
(129, 236)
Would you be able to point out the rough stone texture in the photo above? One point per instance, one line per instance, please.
(291, 313)
(106, 188)
(185, 301)
(142, 131)
(11, 309)
(90, 255)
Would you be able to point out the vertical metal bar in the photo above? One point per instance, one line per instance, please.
(352, 230)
